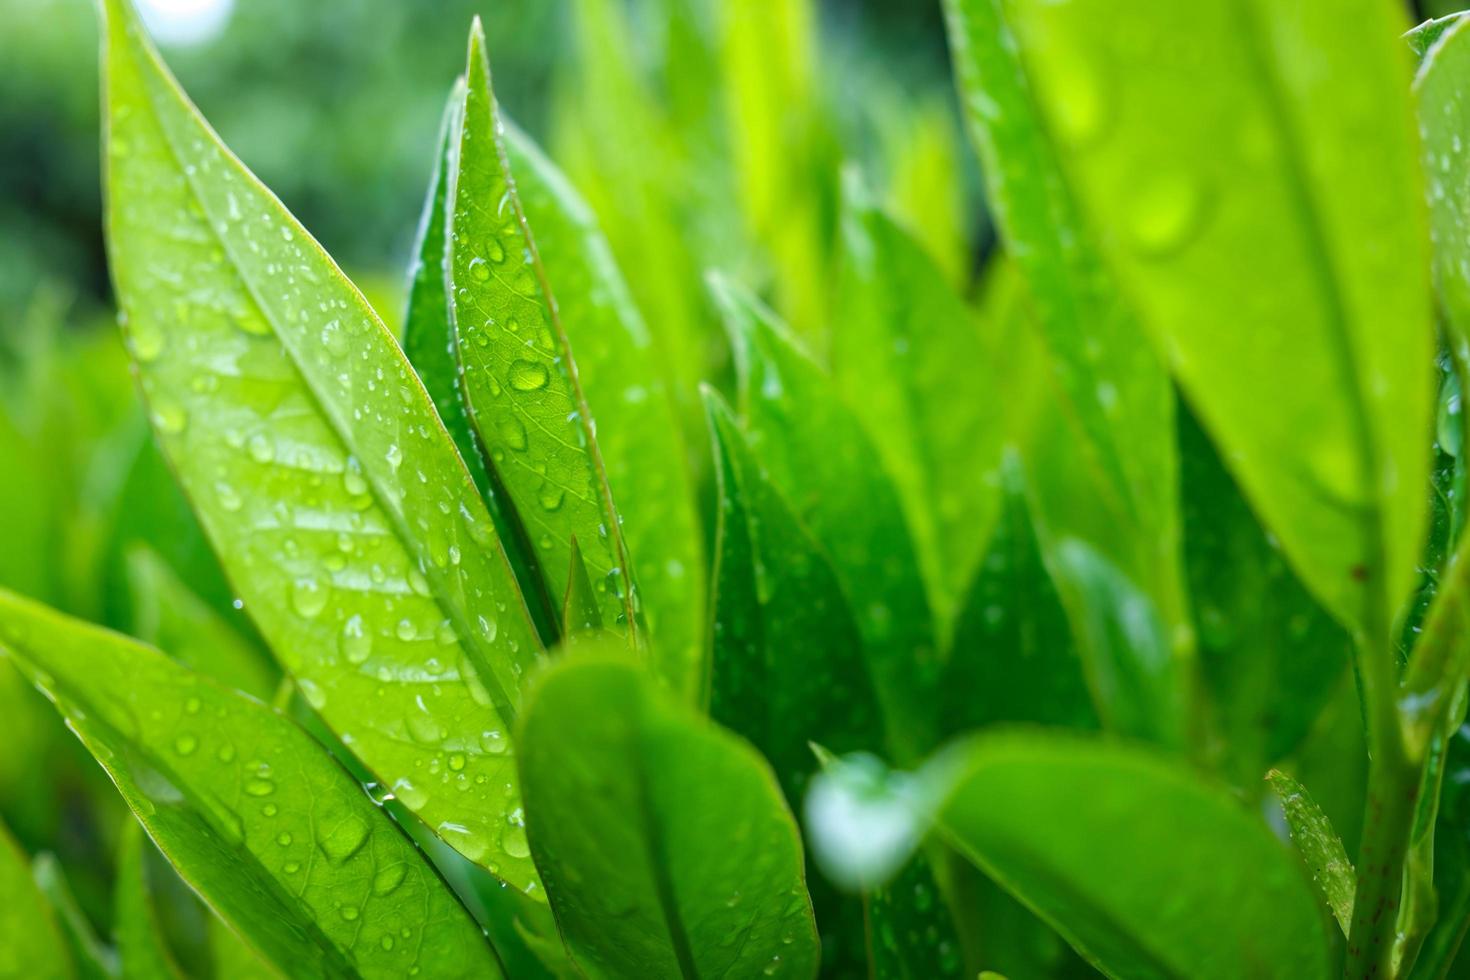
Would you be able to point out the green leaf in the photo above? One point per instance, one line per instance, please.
(638, 432)
(1106, 843)
(141, 945)
(1319, 846)
(1451, 846)
(519, 381)
(1269, 654)
(31, 942)
(1237, 168)
(907, 348)
(316, 463)
(786, 664)
(912, 935)
(1422, 37)
(816, 454)
(169, 616)
(579, 615)
(253, 813)
(232, 958)
(1116, 393)
(684, 860)
(95, 960)
(1014, 657)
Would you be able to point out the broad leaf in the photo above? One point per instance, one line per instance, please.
(684, 860)
(786, 665)
(638, 432)
(1319, 846)
(816, 454)
(1105, 842)
(253, 813)
(519, 381)
(169, 616)
(1265, 252)
(316, 463)
(31, 943)
(141, 945)
(910, 360)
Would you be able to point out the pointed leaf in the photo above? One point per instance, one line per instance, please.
(31, 942)
(816, 453)
(1336, 323)
(315, 460)
(519, 381)
(786, 663)
(253, 813)
(141, 946)
(684, 860)
(94, 959)
(1137, 907)
(579, 615)
(1319, 846)
(638, 432)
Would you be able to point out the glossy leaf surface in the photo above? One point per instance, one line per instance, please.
(684, 861)
(1241, 164)
(519, 381)
(254, 814)
(638, 432)
(1136, 907)
(316, 463)
(816, 453)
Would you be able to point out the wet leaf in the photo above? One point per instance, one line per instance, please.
(316, 463)
(1319, 846)
(684, 860)
(816, 454)
(1253, 914)
(520, 384)
(907, 336)
(1240, 164)
(31, 942)
(638, 435)
(786, 665)
(141, 945)
(253, 813)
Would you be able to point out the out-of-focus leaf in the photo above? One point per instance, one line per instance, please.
(1319, 846)
(316, 463)
(1013, 657)
(816, 454)
(638, 432)
(168, 616)
(579, 615)
(141, 946)
(786, 665)
(1104, 842)
(682, 841)
(1337, 324)
(1269, 653)
(232, 958)
(520, 383)
(94, 959)
(31, 942)
(913, 934)
(907, 348)
(254, 814)
(926, 189)
(1451, 865)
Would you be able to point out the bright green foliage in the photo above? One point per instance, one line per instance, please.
(520, 384)
(817, 454)
(249, 808)
(1253, 914)
(141, 946)
(1319, 846)
(31, 943)
(316, 463)
(684, 861)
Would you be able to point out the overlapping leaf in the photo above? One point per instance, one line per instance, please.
(316, 463)
(30, 940)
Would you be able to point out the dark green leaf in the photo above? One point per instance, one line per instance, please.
(683, 859)
(94, 959)
(141, 945)
(253, 813)
(316, 463)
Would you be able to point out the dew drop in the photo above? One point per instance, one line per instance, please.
(528, 375)
(356, 643)
(262, 450)
(228, 496)
(1166, 214)
(169, 416)
(186, 744)
(387, 880)
(405, 630)
(342, 839)
(550, 496)
(456, 762)
(308, 597)
(497, 253)
(349, 912)
(513, 841)
(260, 786)
(479, 269)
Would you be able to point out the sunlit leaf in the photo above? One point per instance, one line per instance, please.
(253, 813)
(682, 841)
(316, 463)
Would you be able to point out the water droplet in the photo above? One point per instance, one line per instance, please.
(512, 432)
(169, 415)
(405, 630)
(386, 942)
(284, 839)
(147, 339)
(228, 496)
(456, 761)
(550, 496)
(479, 269)
(349, 912)
(308, 597)
(291, 867)
(497, 253)
(352, 479)
(342, 839)
(1166, 214)
(493, 742)
(528, 375)
(425, 729)
(262, 450)
(394, 456)
(226, 753)
(260, 786)
(356, 642)
(185, 744)
(387, 880)
(513, 841)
